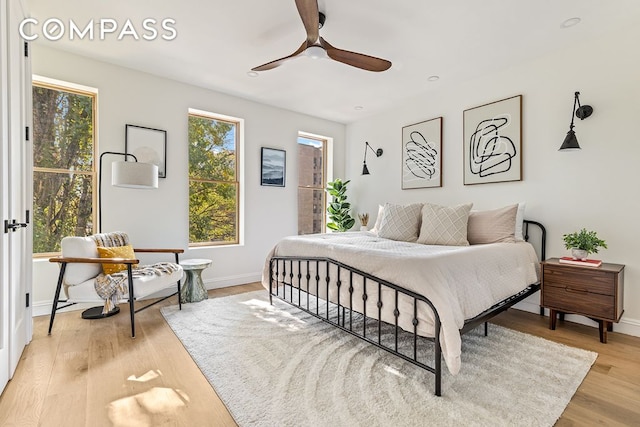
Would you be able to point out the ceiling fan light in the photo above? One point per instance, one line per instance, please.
(315, 52)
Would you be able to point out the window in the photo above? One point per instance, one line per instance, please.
(311, 184)
(64, 173)
(214, 187)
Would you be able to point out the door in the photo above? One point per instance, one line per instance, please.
(16, 258)
(4, 202)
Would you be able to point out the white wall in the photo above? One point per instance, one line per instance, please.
(594, 188)
(159, 218)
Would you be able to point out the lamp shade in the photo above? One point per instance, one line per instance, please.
(570, 141)
(134, 175)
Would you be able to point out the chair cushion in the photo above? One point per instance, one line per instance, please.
(79, 247)
(143, 286)
(116, 252)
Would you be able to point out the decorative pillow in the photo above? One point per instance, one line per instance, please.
(519, 219)
(79, 247)
(444, 225)
(492, 226)
(376, 227)
(400, 222)
(116, 252)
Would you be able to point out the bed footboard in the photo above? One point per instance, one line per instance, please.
(357, 303)
(365, 306)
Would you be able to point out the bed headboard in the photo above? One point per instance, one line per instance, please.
(541, 233)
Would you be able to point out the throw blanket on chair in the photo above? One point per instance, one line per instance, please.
(111, 240)
(112, 287)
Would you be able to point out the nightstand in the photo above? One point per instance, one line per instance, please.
(593, 292)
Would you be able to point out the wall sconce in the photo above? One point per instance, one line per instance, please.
(378, 153)
(584, 111)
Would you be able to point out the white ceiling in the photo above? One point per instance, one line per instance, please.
(218, 42)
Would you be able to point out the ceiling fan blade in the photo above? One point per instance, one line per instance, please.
(308, 10)
(358, 60)
(278, 62)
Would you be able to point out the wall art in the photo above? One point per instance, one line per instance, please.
(493, 142)
(148, 145)
(274, 166)
(422, 154)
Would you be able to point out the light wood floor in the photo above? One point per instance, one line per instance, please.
(91, 373)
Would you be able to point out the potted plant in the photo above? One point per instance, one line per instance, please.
(339, 208)
(364, 221)
(582, 243)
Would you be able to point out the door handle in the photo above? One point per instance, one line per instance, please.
(13, 225)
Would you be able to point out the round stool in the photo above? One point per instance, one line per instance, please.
(193, 289)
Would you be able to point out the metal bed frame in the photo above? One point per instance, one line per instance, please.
(283, 278)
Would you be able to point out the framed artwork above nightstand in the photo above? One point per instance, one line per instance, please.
(597, 293)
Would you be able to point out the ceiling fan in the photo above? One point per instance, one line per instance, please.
(317, 47)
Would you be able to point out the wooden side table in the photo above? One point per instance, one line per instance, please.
(193, 289)
(597, 293)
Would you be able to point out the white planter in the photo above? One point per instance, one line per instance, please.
(579, 254)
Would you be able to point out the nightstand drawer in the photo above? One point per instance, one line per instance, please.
(580, 279)
(572, 300)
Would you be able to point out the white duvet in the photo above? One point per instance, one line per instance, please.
(460, 281)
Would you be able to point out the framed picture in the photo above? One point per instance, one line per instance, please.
(274, 167)
(493, 142)
(422, 154)
(148, 145)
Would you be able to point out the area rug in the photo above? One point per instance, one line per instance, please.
(274, 365)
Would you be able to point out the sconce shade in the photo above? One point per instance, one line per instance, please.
(365, 169)
(134, 175)
(570, 142)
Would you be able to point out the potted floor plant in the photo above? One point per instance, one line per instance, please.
(582, 243)
(339, 209)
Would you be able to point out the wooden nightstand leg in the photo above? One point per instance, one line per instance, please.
(603, 327)
(610, 326)
(553, 315)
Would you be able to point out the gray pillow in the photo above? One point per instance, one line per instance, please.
(444, 225)
(400, 222)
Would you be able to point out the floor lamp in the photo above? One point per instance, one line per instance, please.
(129, 175)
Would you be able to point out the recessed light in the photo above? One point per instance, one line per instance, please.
(433, 78)
(570, 22)
(358, 107)
(252, 74)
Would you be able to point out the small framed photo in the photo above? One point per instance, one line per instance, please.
(422, 154)
(148, 145)
(274, 167)
(493, 142)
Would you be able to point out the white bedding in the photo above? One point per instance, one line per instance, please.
(461, 281)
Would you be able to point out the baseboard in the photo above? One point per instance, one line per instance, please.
(625, 326)
(224, 282)
(43, 308)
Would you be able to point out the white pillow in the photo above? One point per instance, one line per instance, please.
(79, 247)
(400, 222)
(444, 225)
(519, 220)
(376, 226)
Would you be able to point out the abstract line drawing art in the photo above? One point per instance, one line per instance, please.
(493, 142)
(422, 154)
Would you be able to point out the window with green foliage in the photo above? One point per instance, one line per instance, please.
(64, 175)
(213, 180)
(311, 185)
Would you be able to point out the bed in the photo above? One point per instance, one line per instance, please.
(362, 283)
